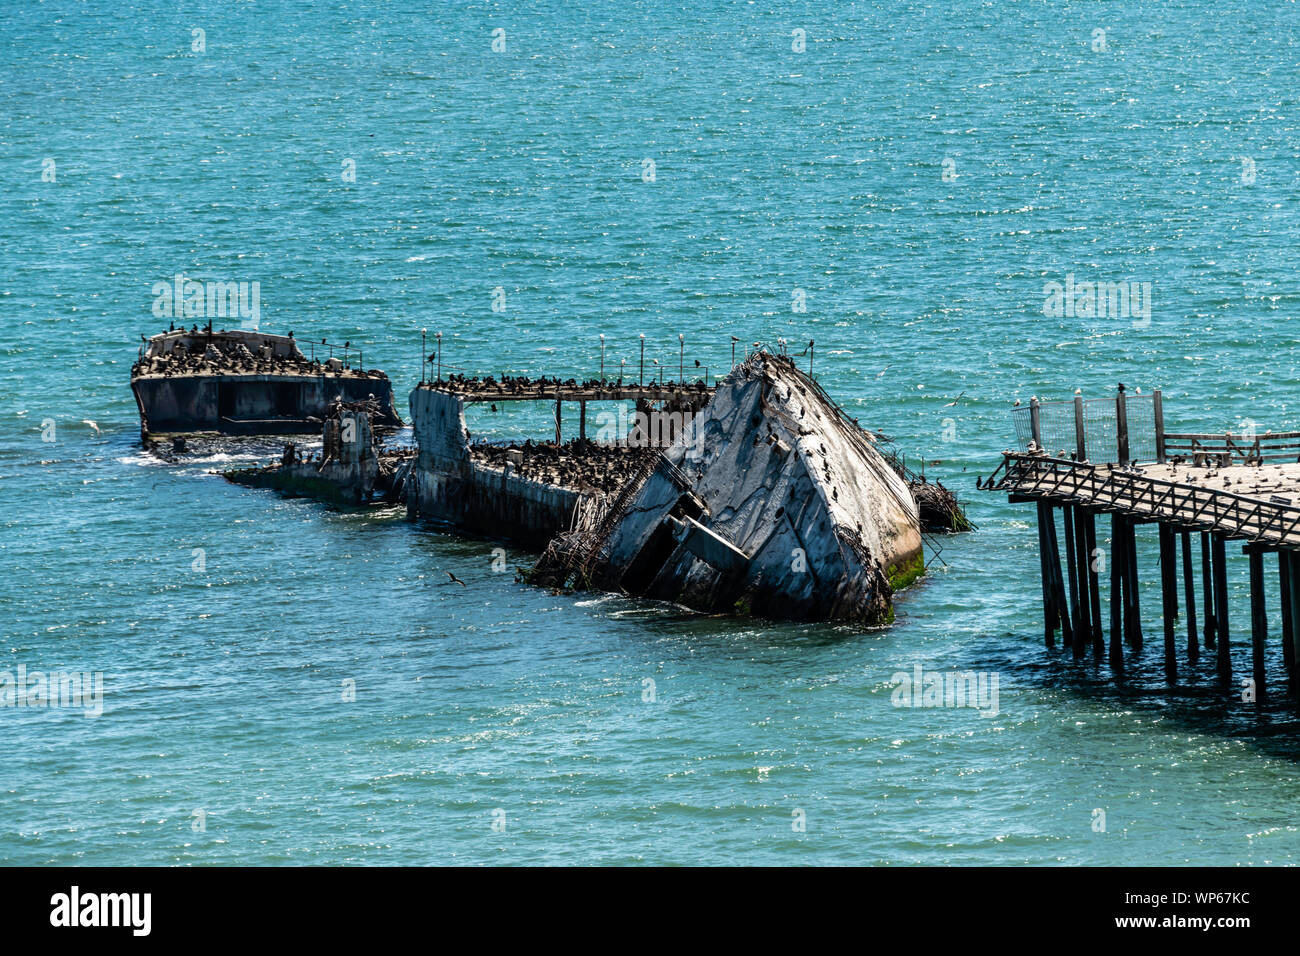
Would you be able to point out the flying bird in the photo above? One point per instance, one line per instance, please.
(455, 579)
(93, 426)
(881, 373)
(955, 400)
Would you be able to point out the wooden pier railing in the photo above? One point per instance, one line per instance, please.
(1232, 449)
(1116, 490)
(1130, 427)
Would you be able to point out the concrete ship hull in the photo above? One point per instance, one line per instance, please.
(252, 404)
(769, 501)
(447, 486)
(758, 496)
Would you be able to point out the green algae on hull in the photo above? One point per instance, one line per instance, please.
(905, 572)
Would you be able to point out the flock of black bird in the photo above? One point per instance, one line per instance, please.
(223, 356)
(524, 385)
(581, 464)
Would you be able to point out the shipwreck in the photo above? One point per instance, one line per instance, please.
(771, 501)
(757, 494)
(247, 383)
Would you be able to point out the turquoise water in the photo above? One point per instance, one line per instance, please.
(524, 170)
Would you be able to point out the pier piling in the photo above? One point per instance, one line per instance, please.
(1189, 590)
(1132, 605)
(1288, 623)
(1207, 588)
(1258, 621)
(1045, 569)
(1058, 582)
(1121, 426)
(1094, 583)
(1169, 596)
(1220, 569)
(1293, 594)
(1072, 573)
(1117, 578)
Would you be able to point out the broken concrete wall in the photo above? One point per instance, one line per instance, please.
(438, 421)
(445, 485)
(348, 469)
(177, 404)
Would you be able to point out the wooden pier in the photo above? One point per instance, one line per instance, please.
(1197, 489)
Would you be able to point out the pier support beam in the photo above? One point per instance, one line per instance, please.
(1207, 589)
(1293, 573)
(1288, 622)
(1094, 582)
(582, 420)
(1132, 607)
(1219, 566)
(1050, 614)
(1078, 616)
(558, 405)
(1189, 591)
(1258, 622)
(1194, 652)
(1117, 578)
(1058, 581)
(1169, 597)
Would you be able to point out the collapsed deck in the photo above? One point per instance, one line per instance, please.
(353, 467)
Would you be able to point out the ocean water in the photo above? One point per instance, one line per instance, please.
(897, 182)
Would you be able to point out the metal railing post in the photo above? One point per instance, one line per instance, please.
(1121, 426)
(1081, 451)
(1158, 410)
